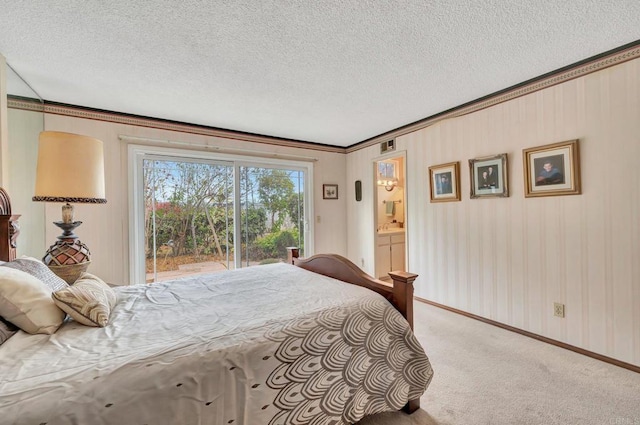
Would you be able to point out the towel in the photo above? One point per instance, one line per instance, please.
(390, 208)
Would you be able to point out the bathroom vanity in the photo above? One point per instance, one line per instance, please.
(389, 252)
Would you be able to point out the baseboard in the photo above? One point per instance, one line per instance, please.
(560, 344)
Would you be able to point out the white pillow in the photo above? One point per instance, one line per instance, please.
(26, 302)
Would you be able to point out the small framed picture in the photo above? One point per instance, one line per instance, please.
(445, 182)
(552, 169)
(489, 176)
(329, 191)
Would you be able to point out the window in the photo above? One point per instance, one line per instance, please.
(211, 213)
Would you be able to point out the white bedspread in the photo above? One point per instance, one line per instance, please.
(273, 344)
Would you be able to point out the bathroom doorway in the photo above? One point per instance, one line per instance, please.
(390, 215)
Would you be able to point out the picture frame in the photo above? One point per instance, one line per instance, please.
(445, 182)
(552, 170)
(489, 176)
(329, 191)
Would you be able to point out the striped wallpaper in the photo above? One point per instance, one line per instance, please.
(509, 259)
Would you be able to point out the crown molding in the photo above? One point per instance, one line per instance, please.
(25, 103)
(623, 54)
(119, 118)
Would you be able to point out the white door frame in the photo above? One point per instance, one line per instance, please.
(390, 155)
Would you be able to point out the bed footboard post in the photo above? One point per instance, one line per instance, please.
(403, 298)
(412, 406)
(292, 252)
(403, 293)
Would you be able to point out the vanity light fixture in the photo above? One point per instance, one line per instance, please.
(388, 183)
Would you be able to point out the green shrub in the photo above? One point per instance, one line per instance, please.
(274, 245)
(270, 261)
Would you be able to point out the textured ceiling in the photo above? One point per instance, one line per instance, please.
(331, 72)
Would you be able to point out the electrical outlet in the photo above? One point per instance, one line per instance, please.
(558, 310)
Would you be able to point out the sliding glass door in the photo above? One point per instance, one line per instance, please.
(271, 214)
(188, 217)
(190, 210)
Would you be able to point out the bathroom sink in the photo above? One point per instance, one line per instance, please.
(391, 230)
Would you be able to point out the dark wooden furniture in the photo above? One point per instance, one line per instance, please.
(399, 293)
(9, 228)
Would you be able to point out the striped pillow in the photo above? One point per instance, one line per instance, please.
(88, 301)
(37, 269)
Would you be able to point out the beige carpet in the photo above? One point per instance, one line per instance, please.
(487, 375)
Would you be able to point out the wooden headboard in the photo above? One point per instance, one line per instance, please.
(399, 293)
(9, 228)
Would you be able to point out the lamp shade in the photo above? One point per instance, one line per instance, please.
(70, 168)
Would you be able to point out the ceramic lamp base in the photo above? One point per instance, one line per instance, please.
(68, 258)
(70, 273)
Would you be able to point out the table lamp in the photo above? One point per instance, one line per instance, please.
(70, 169)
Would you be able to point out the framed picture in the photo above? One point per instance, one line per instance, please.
(445, 182)
(552, 169)
(489, 176)
(329, 191)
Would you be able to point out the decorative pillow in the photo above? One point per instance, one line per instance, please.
(89, 301)
(36, 268)
(6, 330)
(26, 302)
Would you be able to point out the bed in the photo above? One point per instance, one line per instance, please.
(312, 342)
